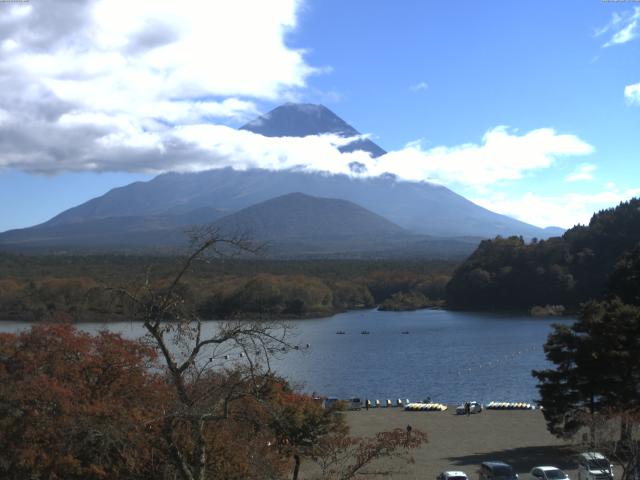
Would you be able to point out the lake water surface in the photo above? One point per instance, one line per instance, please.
(448, 356)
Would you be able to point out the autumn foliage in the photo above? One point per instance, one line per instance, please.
(77, 406)
(36, 287)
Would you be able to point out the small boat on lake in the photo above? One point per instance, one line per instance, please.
(340, 332)
(364, 332)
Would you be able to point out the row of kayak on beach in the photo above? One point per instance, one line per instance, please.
(469, 407)
(510, 406)
(428, 406)
(367, 332)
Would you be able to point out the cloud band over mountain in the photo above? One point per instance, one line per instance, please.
(137, 87)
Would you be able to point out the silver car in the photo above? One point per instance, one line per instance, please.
(547, 473)
(474, 407)
(452, 475)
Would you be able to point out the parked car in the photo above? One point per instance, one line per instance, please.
(594, 466)
(497, 471)
(547, 473)
(329, 402)
(452, 475)
(355, 404)
(474, 406)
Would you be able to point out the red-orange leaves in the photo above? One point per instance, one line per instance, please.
(74, 405)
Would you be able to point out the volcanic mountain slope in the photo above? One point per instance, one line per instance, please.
(303, 119)
(296, 215)
(145, 213)
(110, 232)
(419, 207)
(290, 226)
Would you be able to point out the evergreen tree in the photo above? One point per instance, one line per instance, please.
(624, 281)
(587, 262)
(597, 366)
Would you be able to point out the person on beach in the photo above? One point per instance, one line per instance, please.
(367, 402)
(467, 408)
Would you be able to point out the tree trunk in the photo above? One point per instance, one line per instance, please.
(592, 423)
(626, 438)
(296, 468)
(179, 461)
(200, 460)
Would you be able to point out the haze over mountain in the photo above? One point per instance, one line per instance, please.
(296, 215)
(300, 225)
(155, 213)
(112, 232)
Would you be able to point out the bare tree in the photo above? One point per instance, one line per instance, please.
(341, 457)
(192, 352)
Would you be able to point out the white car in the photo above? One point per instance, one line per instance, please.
(355, 404)
(474, 407)
(452, 475)
(594, 466)
(547, 473)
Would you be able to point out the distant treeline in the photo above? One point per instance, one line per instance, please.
(39, 287)
(587, 262)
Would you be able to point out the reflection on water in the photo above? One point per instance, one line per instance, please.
(448, 356)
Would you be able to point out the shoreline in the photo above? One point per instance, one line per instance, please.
(311, 316)
(314, 316)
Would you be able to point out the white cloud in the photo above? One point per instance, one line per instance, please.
(628, 33)
(632, 94)
(419, 87)
(106, 142)
(582, 172)
(622, 28)
(115, 85)
(89, 73)
(502, 155)
(152, 49)
(564, 210)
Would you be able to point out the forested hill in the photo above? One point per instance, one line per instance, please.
(587, 262)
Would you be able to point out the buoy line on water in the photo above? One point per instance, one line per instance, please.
(496, 362)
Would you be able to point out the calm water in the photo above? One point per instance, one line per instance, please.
(448, 356)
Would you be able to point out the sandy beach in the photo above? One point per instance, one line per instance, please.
(519, 438)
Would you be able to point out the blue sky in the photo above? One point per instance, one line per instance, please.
(530, 108)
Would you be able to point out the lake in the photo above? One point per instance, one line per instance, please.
(448, 356)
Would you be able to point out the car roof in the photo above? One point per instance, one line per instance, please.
(495, 463)
(592, 455)
(455, 473)
(547, 467)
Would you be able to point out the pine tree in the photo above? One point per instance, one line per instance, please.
(597, 366)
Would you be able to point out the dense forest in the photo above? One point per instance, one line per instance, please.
(39, 287)
(588, 262)
(595, 261)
